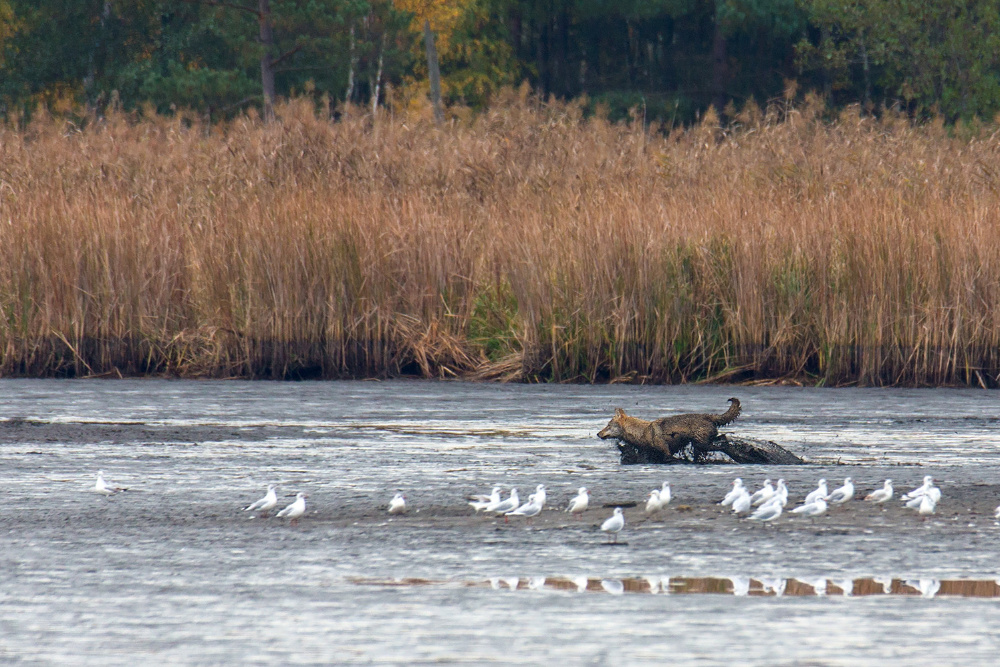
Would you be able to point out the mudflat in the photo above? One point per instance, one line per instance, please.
(172, 569)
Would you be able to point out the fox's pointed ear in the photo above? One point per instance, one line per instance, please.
(619, 413)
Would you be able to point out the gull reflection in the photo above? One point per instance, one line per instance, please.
(613, 586)
(928, 587)
(776, 585)
(818, 585)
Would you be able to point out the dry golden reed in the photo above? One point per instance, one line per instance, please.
(525, 243)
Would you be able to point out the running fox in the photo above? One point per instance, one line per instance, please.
(659, 440)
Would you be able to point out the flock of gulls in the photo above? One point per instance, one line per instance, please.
(770, 501)
(764, 505)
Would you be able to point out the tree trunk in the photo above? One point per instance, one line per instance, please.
(266, 57)
(88, 80)
(433, 72)
(725, 449)
(377, 84)
(719, 68)
(867, 76)
(352, 59)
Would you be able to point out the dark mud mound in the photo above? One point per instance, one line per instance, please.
(726, 449)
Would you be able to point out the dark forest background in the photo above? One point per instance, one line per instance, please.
(666, 59)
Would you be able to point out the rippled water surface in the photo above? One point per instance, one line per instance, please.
(173, 571)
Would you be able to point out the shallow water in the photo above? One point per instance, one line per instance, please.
(172, 570)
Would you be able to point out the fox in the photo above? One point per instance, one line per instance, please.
(662, 439)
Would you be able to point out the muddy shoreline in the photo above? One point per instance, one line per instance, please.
(174, 571)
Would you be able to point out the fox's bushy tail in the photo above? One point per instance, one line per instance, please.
(730, 415)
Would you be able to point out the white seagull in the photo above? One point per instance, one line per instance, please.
(266, 503)
(528, 509)
(927, 505)
(997, 513)
(781, 493)
(540, 495)
(742, 502)
(734, 493)
(843, 494)
(763, 494)
(295, 510)
(664, 495)
(509, 505)
(768, 512)
(927, 488)
(653, 504)
(920, 490)
(815, 508)
(480, 503)
(579, 502)
(881, 495)
(820, 492)
(102, 488)
(398, 504)
(614, 524)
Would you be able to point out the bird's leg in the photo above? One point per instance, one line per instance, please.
(295, 522)
(263, 515)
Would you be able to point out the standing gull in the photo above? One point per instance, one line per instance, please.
(781, 493)
(508, 505)
(742, 502)
(843, 494)
(734, 493)
(614, 524)
(927, 488)
(295, 510)
(540, 495)
(653, 504)
(579, 502)
(528, 509)
(398, 504)
(102, 488)
(767, 512)
(480, 503)
(820, 492)
(815, 508)
(664, 495)
(763, 494)
(881, 495)
(265, 504)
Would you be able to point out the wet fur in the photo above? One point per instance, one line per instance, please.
(663, 439)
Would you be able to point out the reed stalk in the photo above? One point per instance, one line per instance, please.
(527, 243)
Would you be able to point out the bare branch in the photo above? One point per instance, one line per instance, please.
(286, 55)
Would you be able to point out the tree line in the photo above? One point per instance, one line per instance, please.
(666, 59)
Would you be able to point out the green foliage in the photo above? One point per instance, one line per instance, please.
(920, 55)
(493, 323)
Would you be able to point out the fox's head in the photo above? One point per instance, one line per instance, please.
(615, 427)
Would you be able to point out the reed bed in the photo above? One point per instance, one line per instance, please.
(527, 243)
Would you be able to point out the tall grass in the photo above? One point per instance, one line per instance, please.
(526, 243)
